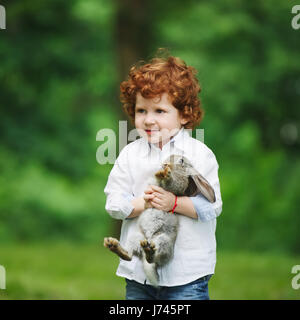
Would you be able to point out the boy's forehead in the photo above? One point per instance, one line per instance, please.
(163, 98)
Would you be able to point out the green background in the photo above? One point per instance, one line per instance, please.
(61, 66)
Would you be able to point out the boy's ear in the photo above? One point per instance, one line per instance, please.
(184, 121)
(184, 118)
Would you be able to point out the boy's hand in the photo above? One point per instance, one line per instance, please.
(148, 196)
(159, 198)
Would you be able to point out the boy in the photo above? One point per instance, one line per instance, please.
(161, 97)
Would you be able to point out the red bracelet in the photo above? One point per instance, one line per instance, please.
(175, 205)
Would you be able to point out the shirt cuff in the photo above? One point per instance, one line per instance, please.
(204, 208)
(121, 208)
(128, 207)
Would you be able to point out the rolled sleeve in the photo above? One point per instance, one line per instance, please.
(204, 208)
(119, 207)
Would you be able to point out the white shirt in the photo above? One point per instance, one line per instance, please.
(195, 246)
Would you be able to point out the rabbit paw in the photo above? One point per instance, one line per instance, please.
(149, 249)
(164, 173)
(113, 245)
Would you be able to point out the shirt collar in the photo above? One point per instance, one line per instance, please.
(178, 141)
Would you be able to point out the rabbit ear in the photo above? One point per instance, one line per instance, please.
(200, 184)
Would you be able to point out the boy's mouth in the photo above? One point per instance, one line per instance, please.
(150, 132)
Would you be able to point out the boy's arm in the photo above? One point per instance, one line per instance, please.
(138, 205)
(206, 210)
(185, 207)
(194, 207)
(165, 200)
(117, 190)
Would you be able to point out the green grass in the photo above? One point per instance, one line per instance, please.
(66, 271)
(251, 276)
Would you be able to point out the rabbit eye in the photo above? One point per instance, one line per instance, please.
(181, 161)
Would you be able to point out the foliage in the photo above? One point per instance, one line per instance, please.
(59, 80)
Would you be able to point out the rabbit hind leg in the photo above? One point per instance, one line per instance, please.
(164, 246)
(149, 250)
(114, 245)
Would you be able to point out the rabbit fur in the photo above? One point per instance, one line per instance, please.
(157, 230)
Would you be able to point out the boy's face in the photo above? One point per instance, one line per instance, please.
(157, 119)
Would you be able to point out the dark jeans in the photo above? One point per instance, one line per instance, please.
(195, 290)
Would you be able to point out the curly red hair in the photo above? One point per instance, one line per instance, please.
(164, 75)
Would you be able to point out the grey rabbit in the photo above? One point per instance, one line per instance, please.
(155, 238)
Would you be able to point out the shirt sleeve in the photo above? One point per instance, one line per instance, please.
(118, 189)
(206, 210)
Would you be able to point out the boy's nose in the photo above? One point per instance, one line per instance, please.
(149, 119)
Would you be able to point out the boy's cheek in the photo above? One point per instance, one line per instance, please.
(141, 132)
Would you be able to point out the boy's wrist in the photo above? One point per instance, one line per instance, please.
(173, 209)
(185, 207)
(139, 207)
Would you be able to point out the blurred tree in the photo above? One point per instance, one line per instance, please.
(133, 30)
(62, 63)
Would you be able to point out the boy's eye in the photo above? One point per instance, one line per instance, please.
(160, 110)
(140, 110)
